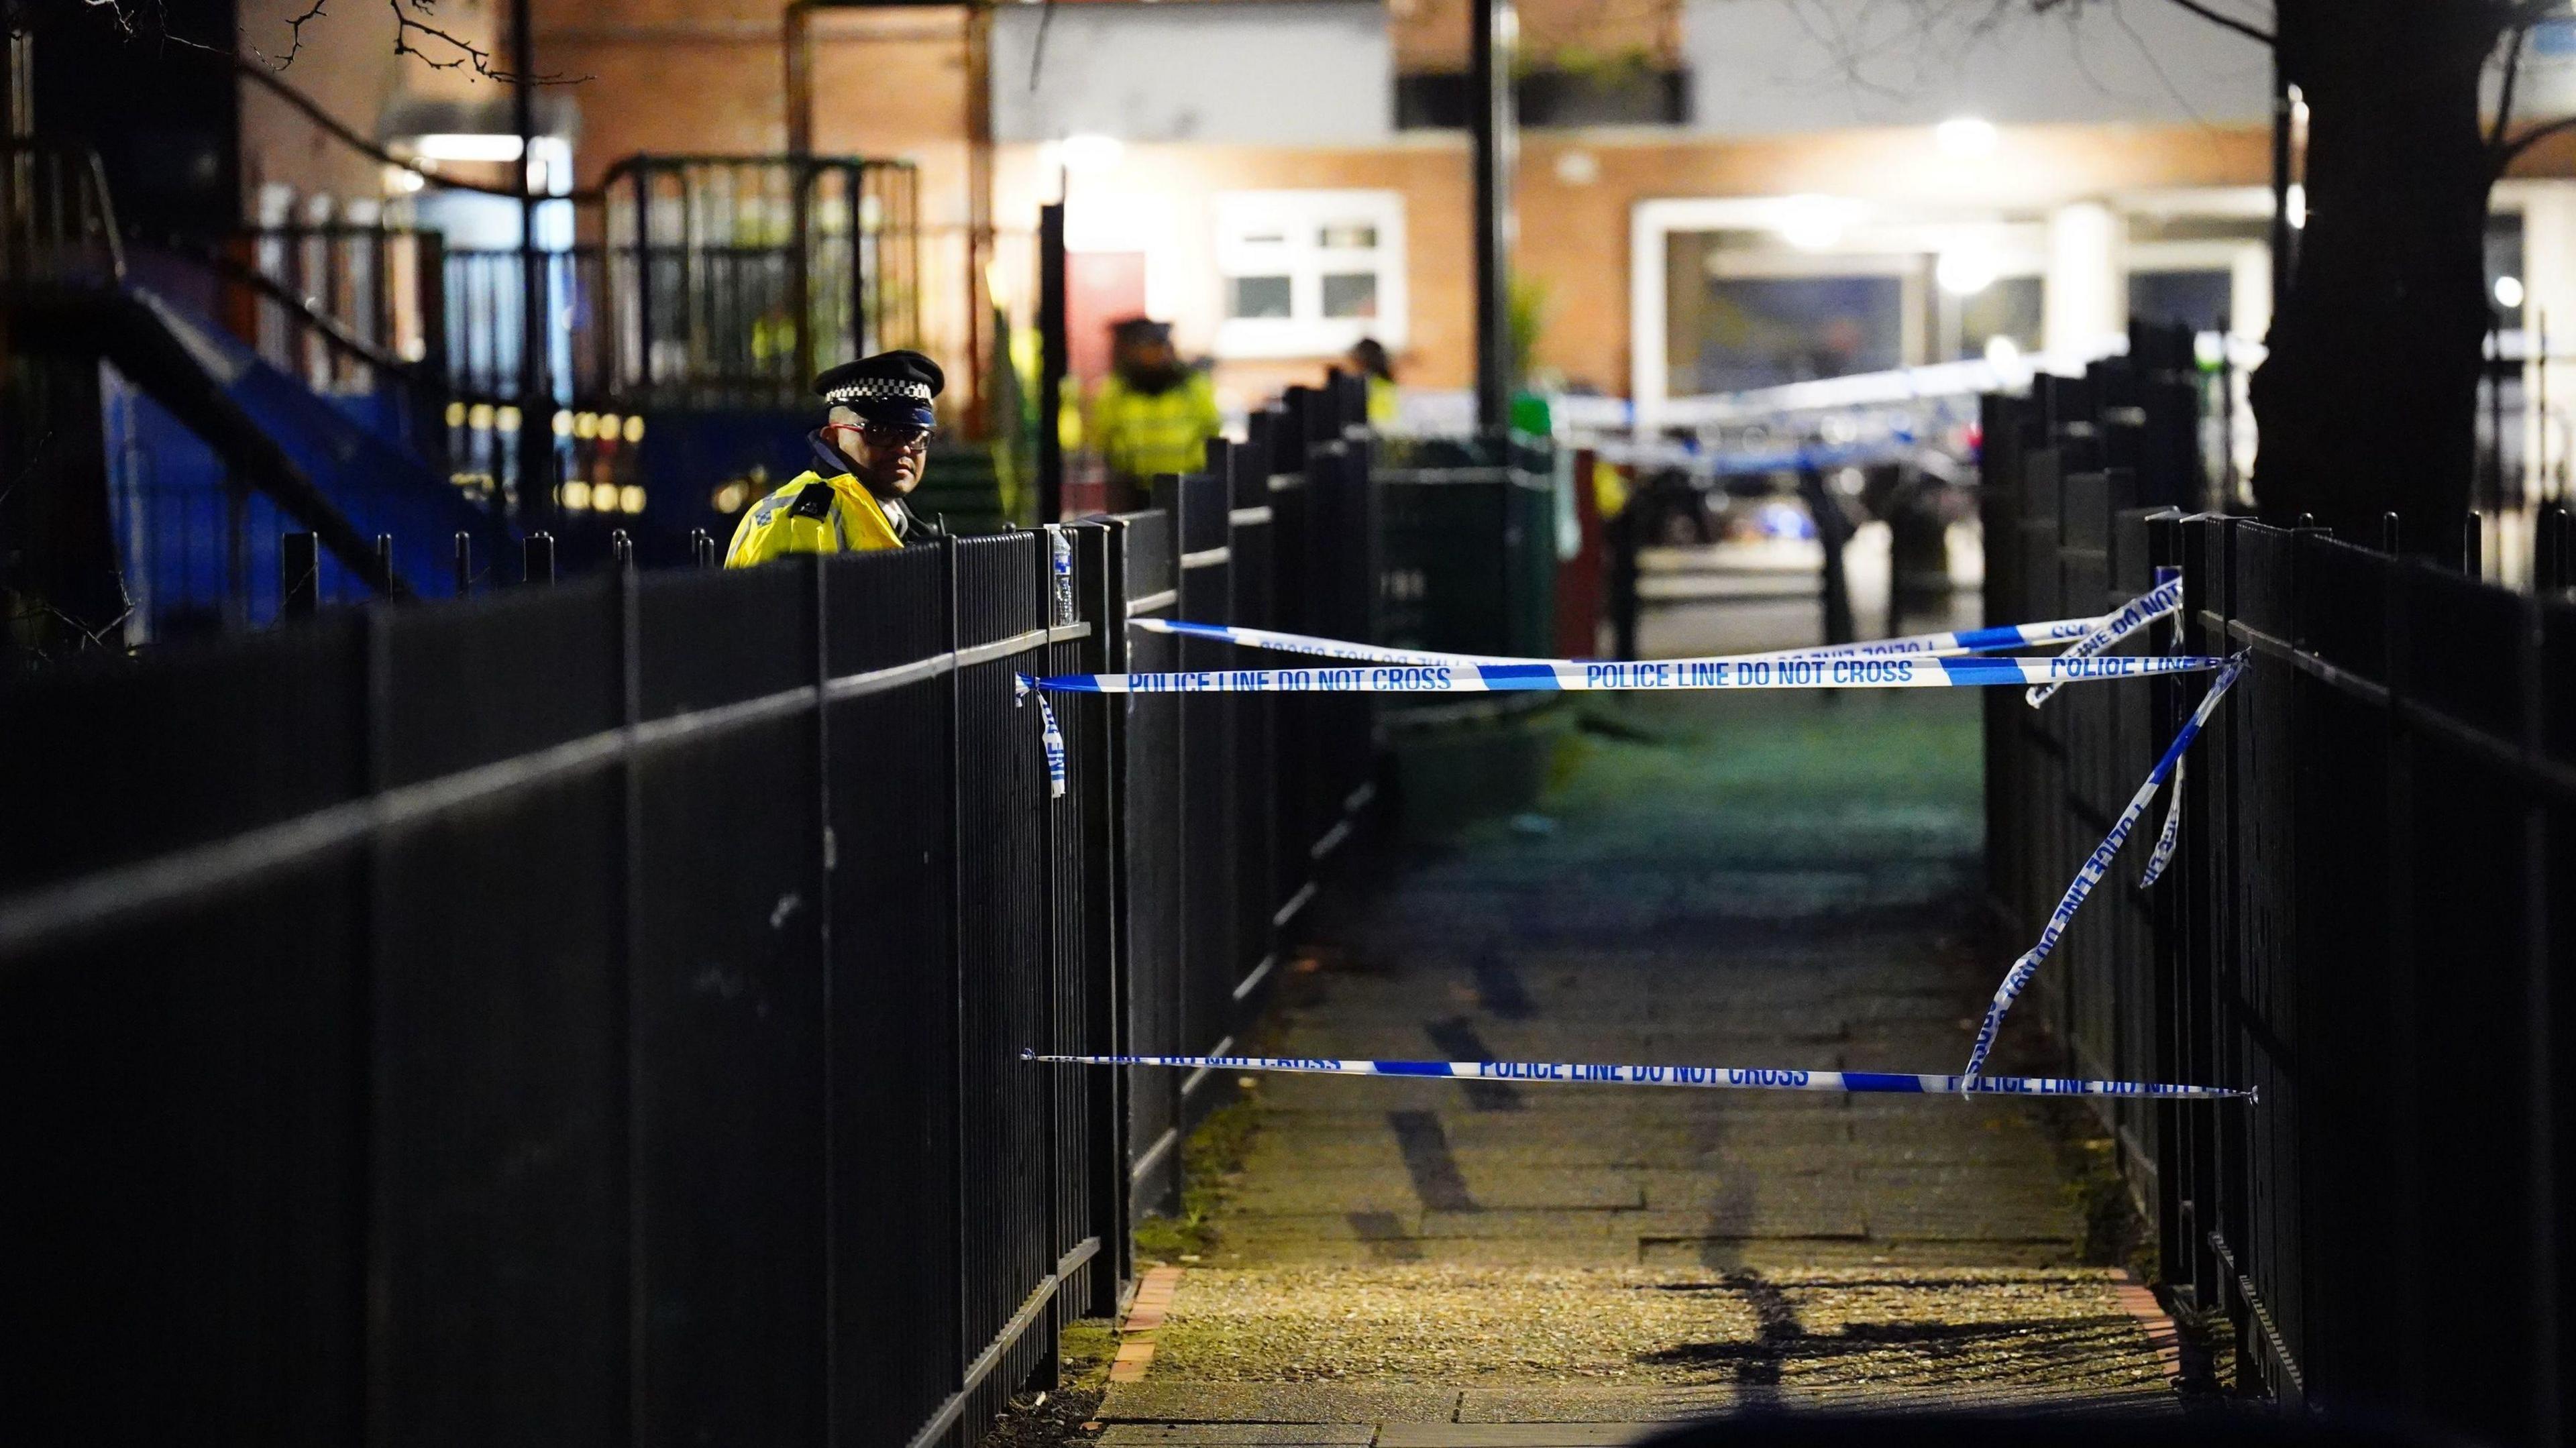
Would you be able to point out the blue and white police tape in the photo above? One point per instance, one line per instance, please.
(1472, 678)
(2096, 865)
(2166, 838)
(1717, 1078)
(1050, 737)
(2158, 602)
(1964, 641)
(1053, 738)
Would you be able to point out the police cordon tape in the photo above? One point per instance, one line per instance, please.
(2097, 865)
(1964, 641)
(1717, 1078)
(2158, 602)
(1470, 678)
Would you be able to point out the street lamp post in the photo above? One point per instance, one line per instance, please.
(1497, 33)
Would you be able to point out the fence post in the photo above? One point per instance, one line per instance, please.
(2472, 541)
(464, 564)
(621, 548)
(537, 559)
(827, 856)
(1102, 580)
(299, 575)
(963, 1349)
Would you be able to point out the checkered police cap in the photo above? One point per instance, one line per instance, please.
(894, 385)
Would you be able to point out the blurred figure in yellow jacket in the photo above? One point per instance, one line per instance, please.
(1368, 358)
(1153, 414)
(869, 453)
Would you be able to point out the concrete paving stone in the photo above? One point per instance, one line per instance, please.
(1238, 1435)
(1392, 1188)
(1311, 1149)
(1167, 1401)
(1779, 1215)
(1472, 1434)
(1264, 1250)
(1555, 1404)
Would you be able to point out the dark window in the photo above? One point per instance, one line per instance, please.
(1258, 297)
(1739, 332)
(1350, 294)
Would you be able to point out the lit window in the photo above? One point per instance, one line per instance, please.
(1309, 273)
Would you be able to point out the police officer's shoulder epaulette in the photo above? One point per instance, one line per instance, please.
(814, 500)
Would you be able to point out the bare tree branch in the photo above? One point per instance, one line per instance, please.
(460, 53)
(2225, 21)
(295, 37)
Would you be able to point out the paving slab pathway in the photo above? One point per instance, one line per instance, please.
(1768, 881)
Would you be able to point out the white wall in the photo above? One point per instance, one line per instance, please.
(1790, 65)
(1304, 73)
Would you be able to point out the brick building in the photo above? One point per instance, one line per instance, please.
(1712, 193)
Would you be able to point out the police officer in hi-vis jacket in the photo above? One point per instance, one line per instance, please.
(869, 453)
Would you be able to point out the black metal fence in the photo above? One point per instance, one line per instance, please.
(592, 1013)
(2368, 920)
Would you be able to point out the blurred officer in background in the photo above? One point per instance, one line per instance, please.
(1152, 414)
(869, 452)
(1368, 358)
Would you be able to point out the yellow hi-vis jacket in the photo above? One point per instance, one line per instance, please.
(1140, 434)
(812, 514)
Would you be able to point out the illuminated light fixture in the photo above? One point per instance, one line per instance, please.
(575, 495)
(480, 417)
(564, 424)
(1812, 223)
(731, 497)
(608, 426)
(1965, 138)
(2002, 352)
(2296, 203)
(1090, 152)
(465, 146)
(2508, 293)
(634, 429)
(631, 498)
(1964, 271)
(403, 181)
(2209, 349)
(585, 425)
(506, 417)
(456, 414)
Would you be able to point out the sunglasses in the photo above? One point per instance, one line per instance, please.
(906, 436)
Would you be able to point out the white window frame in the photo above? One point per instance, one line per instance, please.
(1299, 216)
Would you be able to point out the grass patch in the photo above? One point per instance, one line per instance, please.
(1211, 1162)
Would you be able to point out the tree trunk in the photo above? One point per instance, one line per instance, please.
(2367, 402)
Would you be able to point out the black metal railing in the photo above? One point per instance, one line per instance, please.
(694, 282)
(57, 223)
(599, 1005)
(2368, 920)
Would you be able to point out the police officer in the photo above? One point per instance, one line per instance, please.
(1153, 414)
(869, 452)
